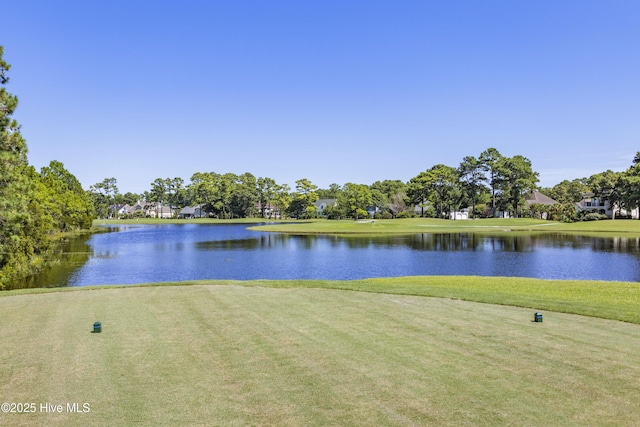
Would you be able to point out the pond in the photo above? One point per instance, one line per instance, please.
(173, 252)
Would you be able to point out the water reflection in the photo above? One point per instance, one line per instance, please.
(245, 244)
(71, 253)
(438, 242)
(149, 253)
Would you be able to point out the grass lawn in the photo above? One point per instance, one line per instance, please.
(428, 225)
(301, 353)
(628, 228)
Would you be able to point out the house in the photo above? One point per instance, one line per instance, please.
(137, 210)
(118, 210)
(322, 204)
(146, 209)
(193, 212)
(462, 214)
(373, 210)
(592, 204)
(158, 210)
(537, 198)
(270, 211)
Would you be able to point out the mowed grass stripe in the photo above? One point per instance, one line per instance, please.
(234, 355)
(607, 300)
(604, 299)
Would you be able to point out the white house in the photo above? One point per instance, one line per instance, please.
(459, 215)
(592, 204)
(321, 204)
(118, 210)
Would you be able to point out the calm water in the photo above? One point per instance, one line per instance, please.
(152, 253)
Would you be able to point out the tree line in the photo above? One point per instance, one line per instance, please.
(487, 185)
(34, 205)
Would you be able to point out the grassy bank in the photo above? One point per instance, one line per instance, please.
(428, 225)
(408, 225)
(252, 355)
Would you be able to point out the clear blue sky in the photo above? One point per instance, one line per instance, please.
(333, 90)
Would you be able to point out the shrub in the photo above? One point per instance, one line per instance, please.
(594, 217)
(332, 212)
(481, 210)
(407, 214)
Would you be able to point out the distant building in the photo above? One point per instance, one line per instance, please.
(118, 210)
(592, 204)
(193, 212)
(270, 211)
(536, 197)
(321, 204)
(159, 210)
(459, 215)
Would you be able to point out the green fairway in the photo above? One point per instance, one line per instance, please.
(226, 354)
(427, 225)
(607, 300)
(628, 228)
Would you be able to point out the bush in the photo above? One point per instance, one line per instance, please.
(332, 212)
(594, 217)
(383, 215)
(479, 211)
(408, 214)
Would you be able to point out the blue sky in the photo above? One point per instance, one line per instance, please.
(333, 90)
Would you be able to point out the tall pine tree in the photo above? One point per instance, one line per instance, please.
(22, 239)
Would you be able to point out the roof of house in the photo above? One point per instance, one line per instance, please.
(192, 209)
(536, 197)
(118, 206)
(188, 210)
